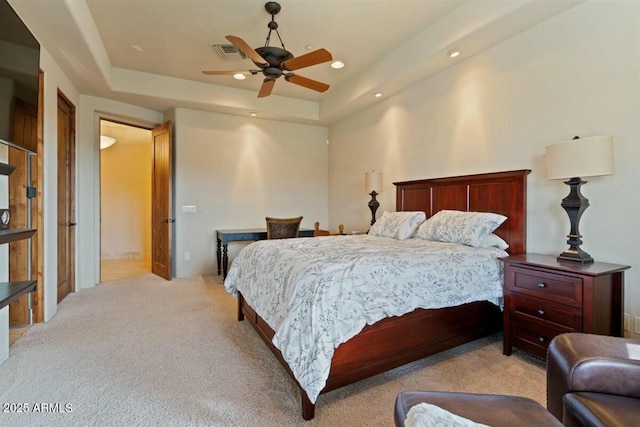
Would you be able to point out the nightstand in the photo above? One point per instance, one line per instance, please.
(544, 297)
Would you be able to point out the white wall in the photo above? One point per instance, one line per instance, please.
(576, 74)
(235, 170)
(238, 170)
(54, 80)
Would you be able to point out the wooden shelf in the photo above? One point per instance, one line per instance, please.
(16, 146)
(11, 291)
(6, 169)
(13, 234)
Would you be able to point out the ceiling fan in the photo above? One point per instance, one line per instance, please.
(275, 62)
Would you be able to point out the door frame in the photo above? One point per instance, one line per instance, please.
(98, 117)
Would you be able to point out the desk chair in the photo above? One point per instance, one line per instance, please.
(283, 228)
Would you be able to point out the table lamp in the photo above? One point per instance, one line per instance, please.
(580, 157)
(373, 181)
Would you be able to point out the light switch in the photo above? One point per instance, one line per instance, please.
(189, 209)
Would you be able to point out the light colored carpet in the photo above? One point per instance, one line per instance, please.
(118, 269)
(147, 352)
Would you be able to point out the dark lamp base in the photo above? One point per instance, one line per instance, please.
(575, 204)
(575, 256)
(373, 205)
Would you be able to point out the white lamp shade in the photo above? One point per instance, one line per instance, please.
(580, 158)
(373, 181)
(106, 141)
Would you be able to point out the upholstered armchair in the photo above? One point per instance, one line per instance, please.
(594, 380)
(283, 228)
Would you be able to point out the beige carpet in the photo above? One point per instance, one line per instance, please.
(146, 352)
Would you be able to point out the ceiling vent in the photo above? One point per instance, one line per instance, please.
(228, 52)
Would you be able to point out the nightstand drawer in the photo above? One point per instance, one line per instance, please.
(546, 311)
(550, 286)
(534, 337)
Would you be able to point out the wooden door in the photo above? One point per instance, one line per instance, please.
(66, 197)
(24, 133)
(161, 200)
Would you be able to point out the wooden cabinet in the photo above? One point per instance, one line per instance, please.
(16, 194)
(544, 297)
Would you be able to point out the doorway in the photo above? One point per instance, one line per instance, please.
(125, 200)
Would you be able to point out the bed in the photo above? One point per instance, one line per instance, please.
(400, 339)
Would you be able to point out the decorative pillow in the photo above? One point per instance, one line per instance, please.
(493, 240)
(398, 225)
(466, 228)
(428, 415)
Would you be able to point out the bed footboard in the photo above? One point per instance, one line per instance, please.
(391, 342)
(266, 333)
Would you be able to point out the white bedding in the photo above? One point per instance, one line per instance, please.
(317, 293)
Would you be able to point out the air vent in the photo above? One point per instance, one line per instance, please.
(228, 52)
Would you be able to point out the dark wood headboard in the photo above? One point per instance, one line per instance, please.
(500, 192)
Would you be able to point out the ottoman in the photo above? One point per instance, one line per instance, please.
(490, 409)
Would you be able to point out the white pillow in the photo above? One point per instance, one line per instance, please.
(398, 225)
(493, 240)
(466, 228)
(429, 415)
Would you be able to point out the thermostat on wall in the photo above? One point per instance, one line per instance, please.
(5, 216)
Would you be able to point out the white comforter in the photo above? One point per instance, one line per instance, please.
(317, 293)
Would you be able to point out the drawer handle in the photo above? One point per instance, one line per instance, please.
(540, 312)
(542, 285)
(541, 339)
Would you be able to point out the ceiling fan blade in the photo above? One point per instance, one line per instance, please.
(226, 72)
(308, 59)
(306, 82)
(266, 88)
(245, 48)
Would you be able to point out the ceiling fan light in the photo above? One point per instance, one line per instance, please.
(275, 62)
(337, 64)
(106, 141)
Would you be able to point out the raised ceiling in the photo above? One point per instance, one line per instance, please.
(387, 45)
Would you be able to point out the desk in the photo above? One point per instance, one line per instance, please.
(223, 238)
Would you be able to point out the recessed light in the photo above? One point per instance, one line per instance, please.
(308, 47)
(454, 53)
(337, 64)
(252, 114)
(239, 76)
(136, 48)
(377, 94)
